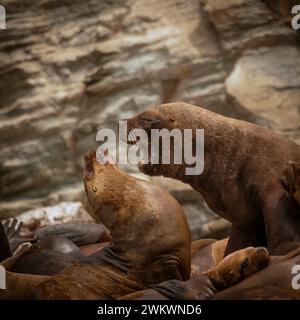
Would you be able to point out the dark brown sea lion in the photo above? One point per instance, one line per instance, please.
(48, 256)
(241, 181)
(150, 239)
(228, 272)
(52, 250)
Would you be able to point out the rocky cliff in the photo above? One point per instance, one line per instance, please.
(71, 67)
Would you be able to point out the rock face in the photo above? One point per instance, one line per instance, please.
(69, 68)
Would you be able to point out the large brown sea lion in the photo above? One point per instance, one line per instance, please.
(241, 181)
(228, 272)
(151, 240)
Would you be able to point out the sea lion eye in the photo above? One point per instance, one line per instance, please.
(94, 189)
(150, 120)
(245, 264)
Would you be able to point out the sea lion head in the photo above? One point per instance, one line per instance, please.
(101, 178)
(167, 117)
(238, 265)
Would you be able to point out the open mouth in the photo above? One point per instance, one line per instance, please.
(89, 158)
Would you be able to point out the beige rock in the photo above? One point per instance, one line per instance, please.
(267, 82)
(69, 68)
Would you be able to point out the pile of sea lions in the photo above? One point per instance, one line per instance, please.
(140, 244)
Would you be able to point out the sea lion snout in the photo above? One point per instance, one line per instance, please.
(255, 260)
(261, 258)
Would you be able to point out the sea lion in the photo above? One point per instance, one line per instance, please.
(52, 250)
(151, 240)
(228, 272)
(243, 164)
(48, 256)
(274, 282)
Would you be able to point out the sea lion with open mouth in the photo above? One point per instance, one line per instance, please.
(241, 181)
(151, 240)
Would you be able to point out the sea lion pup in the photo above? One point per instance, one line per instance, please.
(151, 240)
(241, 181)
(228, 272)
(279, 281)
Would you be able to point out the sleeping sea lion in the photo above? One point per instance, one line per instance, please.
(241, 181)
(280, 280)
(48, 256)
(228, 272)
(54, 247)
